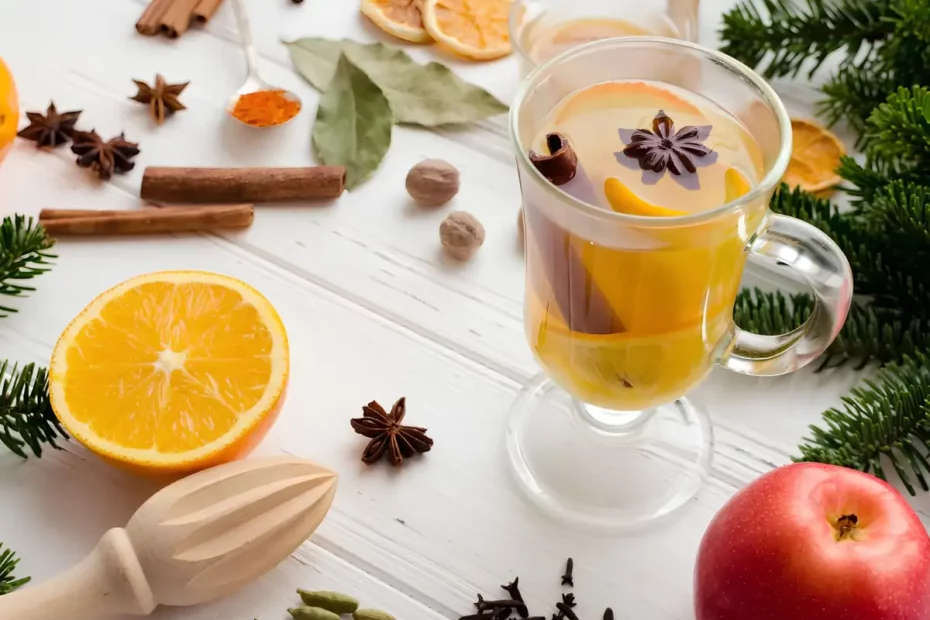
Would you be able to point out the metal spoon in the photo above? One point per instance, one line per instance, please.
(253, 81)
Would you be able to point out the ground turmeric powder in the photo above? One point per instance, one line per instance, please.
(265, 108)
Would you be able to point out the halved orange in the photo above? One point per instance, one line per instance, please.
(171, 372)
(815, 156)
(400, 18)
(476, 29)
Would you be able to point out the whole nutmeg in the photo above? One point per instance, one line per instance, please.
(461, 234)
(433, 182)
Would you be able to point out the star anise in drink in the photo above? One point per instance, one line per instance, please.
(680, 152)
(51, 129)
(388, 435)
(162, 98)
(105, 158)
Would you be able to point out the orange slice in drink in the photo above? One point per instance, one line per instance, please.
(815, 156)
(623, 200)
(475, 29)
(400, 18)
(625, 95)
(171, 372)
(735, 184)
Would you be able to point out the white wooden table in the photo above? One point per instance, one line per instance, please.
(373, 311)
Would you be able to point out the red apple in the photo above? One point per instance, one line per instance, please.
(814, 542)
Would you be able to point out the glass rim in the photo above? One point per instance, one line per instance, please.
(771, 178)
(514, 31)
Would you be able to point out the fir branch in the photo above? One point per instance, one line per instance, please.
(23, 255)
(26, 416)
(853, 93)
(888, 417)
(8, 563)
(869, 335)
(790, 34)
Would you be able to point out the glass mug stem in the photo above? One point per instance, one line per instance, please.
(814, 257)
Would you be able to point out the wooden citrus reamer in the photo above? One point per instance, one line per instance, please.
(196, 540)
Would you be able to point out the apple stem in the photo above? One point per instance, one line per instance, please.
(845, 525)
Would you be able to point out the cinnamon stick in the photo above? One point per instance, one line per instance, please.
(150, 22)
(147, 221)
(178, 18)
(579, 298)
(205, 10)
(207, 185)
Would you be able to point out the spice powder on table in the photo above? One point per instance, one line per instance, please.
(265, 108)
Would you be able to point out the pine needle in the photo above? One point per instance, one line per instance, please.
(26, 417)
(23, 255)
(888, 418)
(8, 563)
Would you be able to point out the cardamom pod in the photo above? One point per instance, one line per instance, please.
(335, 602)
(372, 614)
(312, 613)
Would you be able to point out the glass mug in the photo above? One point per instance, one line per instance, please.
(627, 313)
(542, 29)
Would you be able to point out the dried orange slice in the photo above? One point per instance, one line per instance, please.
(476, 29)
(815, 156)
(623, 200)
(400, 18)
(171, 372)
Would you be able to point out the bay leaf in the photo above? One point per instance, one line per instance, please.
(353, 123)
(427, 95)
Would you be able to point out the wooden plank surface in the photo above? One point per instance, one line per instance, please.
(373, 311)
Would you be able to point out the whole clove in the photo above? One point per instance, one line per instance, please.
(569, 599)
(567, 579)
(608, 614)
(513, 589)
(566, 611)
(484, 605)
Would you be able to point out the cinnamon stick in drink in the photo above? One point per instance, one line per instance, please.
(583, 305)
(150, 22)
(147, 221)
(205, 10)
(208, 185)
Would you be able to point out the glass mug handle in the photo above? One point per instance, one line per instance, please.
(817, 259)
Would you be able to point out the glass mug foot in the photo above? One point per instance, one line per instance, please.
(606, 471)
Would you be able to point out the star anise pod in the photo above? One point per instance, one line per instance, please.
(663, 148)
(51, 129)
(162, 98)
(114, 155)
(388, 435)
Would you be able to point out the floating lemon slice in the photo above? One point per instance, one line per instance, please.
(475, 29)
(623, 200)
(171, 372)
(400, 18)
(815, 156)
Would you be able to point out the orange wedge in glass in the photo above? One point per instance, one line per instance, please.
(400, 18)
(475, 29)
(815, 156)
(623, 200)
(171, 372)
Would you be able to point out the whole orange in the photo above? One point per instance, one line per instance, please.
(9, 110)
